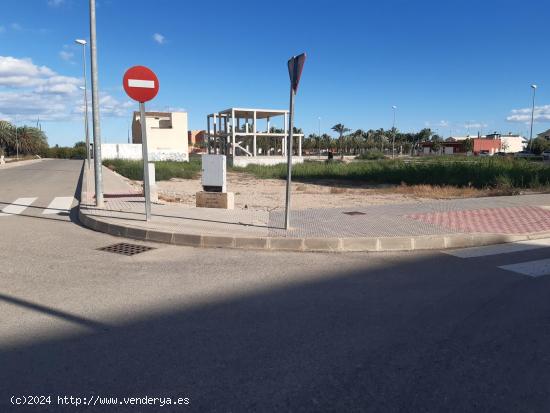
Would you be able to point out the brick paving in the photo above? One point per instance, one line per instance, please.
(514, 220)
(504, 215)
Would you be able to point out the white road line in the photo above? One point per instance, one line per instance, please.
(16, 207)
(475, 252)
(148, 84)
(536, 268)
(59, 204)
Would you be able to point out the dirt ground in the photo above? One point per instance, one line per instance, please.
(269, 194)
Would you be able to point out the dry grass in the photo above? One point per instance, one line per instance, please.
(439, 192)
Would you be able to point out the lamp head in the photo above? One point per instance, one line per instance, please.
(81, 41)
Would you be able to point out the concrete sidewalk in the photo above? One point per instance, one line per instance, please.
(432, 225)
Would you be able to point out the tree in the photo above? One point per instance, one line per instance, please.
(539, 145)
(436, 143)
(341, 129)
(468, 145)
(7, 137)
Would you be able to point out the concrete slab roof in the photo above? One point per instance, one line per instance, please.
(249, 112)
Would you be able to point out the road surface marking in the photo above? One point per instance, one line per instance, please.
(59, 204)
(148, 84)
(536, 268)
(16, 207)
(500, 249)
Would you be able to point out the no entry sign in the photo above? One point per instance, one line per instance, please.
(140, 83)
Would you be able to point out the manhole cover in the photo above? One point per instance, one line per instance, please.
(354, 213)
(126, 249)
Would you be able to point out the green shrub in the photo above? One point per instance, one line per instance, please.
(479, 173)
(164, 170)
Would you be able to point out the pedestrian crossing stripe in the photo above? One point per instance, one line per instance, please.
(536, 268)
(17, 207)
(476, 252)
(59, 204)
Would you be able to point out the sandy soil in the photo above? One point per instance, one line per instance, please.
(269, 194)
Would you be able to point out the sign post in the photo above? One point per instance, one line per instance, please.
(141, 84)
(295, 66)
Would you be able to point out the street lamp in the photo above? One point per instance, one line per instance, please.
(393, 133)
(319, 146)
(85, 88)
(534, 87)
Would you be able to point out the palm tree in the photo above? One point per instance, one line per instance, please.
(7, 137)
(341, 129)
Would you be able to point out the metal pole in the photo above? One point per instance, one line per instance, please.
(146, 187)
(16, 143)
(319, 146)
(393, 135)
(532, 116)
(289, 158)
(95, 109)
(86, 127)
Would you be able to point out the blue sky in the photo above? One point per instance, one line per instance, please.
(445, 65)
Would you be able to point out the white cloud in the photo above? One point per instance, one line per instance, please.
(55, 3)
(28, 91)
(2, 29)
(67, 56)
(474, 125)
(439, 124)
(16, 26)
(541, 114)
(159, 38)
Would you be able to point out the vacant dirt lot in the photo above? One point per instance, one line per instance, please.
(268, 194)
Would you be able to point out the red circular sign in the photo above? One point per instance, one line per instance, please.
(140, 83)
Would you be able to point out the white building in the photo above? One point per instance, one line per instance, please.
(166, 138)
(513, 143)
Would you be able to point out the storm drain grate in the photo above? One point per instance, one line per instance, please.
(126, 249)
(354, 213)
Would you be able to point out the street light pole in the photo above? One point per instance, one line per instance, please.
(95, 109)
(393, 134)
(534, 87)
(86, 128)
(319, 146)
(289, 157)
(16, 140)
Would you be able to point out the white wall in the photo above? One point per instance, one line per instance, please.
(132, 151)
(514, 143)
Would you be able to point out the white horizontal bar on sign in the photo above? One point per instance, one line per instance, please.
(59, 204)
(18, 206)
(148, 84)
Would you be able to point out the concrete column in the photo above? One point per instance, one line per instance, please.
(283, 149)
(254, 137)
(215, 133)
(299, 146)
(209, 138)
(233, 133)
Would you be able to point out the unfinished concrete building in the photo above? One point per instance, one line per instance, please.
(252, 136)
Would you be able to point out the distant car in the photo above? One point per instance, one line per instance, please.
(546, 155)
(484, 153)
(500, 154)
(524, 154)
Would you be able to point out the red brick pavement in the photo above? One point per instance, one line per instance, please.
(514, 220)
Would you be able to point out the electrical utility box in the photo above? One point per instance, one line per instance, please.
(214, 173)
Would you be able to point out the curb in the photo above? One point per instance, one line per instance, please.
(374, 244)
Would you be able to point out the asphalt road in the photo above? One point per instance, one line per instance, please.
(239, 331)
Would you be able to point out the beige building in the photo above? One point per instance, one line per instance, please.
(166, 131)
